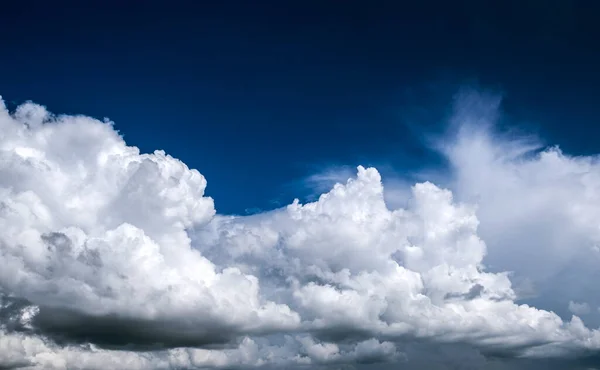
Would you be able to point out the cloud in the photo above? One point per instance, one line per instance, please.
(537, 206)
(95, 232)
(579, 308)
(397, 188)
(113, 258)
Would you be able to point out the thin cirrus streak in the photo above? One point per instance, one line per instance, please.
(115, 259)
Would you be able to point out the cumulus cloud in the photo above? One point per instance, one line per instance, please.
(112, 258)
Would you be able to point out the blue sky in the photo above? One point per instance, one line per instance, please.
(258, 96)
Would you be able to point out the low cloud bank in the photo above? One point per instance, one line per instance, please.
(116, 259)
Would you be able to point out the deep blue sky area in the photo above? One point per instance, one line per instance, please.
(259, 94)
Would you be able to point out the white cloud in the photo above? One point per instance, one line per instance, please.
(93, 227)
(538, 208)
(113, 257)
(579, 308)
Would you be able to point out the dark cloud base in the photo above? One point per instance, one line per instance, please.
(69, 327)
(111, 332)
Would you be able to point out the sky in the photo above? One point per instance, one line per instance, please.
(299, 184)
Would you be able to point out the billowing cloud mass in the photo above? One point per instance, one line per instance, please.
(110, 258)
